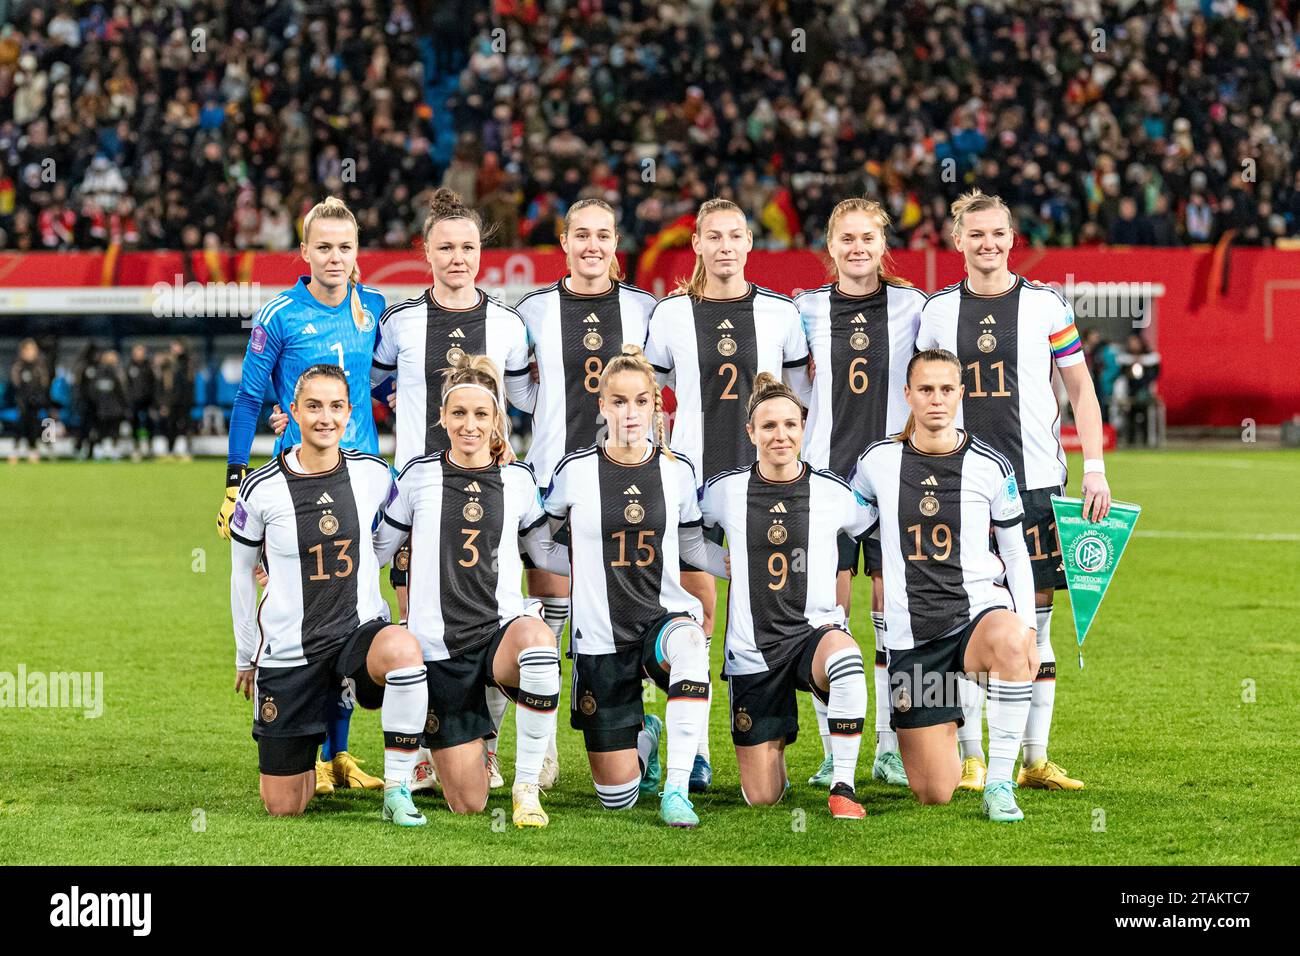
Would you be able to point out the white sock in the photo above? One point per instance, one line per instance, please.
(820, 710)
(886, 739)
(703, 747)
(970, 735)
(406, 702)
(496, 703)
(846, 711)
(687, 714)
(555, 611)
(535, 708)
(1008, 711)
(1043, 699)
(619, 796)
(646, 744)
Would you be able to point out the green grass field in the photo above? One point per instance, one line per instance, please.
(1184, 723)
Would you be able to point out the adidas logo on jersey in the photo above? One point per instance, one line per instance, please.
(778, 508)
(633, 490)
(931, 481)
(309, 329)
(325, 499)
(725, 324)
(592, 318)
(473, 487)
(988, 320)
(858, 319)
(457, 334)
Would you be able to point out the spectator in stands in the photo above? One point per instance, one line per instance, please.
(1135, 387)
(176, 398)
(31, 392)
(141, 393)
(1102, 366)
(1128, 229)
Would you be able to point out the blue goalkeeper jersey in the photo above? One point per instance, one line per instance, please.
(290, 334)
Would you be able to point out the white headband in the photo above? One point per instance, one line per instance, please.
(495, 398)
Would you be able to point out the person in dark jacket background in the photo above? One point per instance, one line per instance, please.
(141, 392)
(86, 372)
(31, 385)
(111, 406)
(176, 397)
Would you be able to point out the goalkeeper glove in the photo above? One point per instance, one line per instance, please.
(234, 475)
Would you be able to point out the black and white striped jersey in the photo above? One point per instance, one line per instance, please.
(623, 543)
(717, 347)
(861, 346)
(573, 337)
(936, 512)
(419, 339)
(1007, 345)
(322, 572)
(465, 571)
(784, 556)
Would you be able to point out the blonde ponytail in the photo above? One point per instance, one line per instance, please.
(632, 359)
(331, 207)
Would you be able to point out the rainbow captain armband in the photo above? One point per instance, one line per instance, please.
(1065, 342)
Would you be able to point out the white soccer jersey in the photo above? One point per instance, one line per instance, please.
(322, 572)
(861, 346)
(717, 347)
(419, 339)
(784, 556)
(574, 337)
(1007, 344)
(464, 526)
(936, 512)
(623, 543)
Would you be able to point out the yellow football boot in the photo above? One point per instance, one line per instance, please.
(1045, 775)
(347, 774)
(528, 810)
(973, 773)
(324, 779)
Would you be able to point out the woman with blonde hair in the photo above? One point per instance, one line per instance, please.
(861, 329)
(715, 335)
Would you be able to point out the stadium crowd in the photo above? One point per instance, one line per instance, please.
(193, 125)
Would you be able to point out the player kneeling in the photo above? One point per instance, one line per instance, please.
(633, 514)
(323, 622)
(785, 631)
(464, 512)
(938, 490)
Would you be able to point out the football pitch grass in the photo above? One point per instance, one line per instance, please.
(1184, 723)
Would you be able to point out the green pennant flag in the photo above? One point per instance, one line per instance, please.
(1090, 550)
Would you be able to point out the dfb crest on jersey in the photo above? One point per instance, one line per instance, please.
(777, 534)
(727, 346)
(588, 704)
(593, 341)
(269, 711)
(986, 342)
(859, 340)
(929, 506)
(455, 354)
(473, 511)
(634, 513)
(402, 560)
(328, 523)
(431, 724)
(743, 722)
(367, 319)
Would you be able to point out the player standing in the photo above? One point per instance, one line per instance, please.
(862, 331)
(328, 316)
(1008, 333)
(420, 338)
(716, 334)
(465, 512)
(576, 326)
(633, 512)
(322, 623)
(785, 632)
(939, 491)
